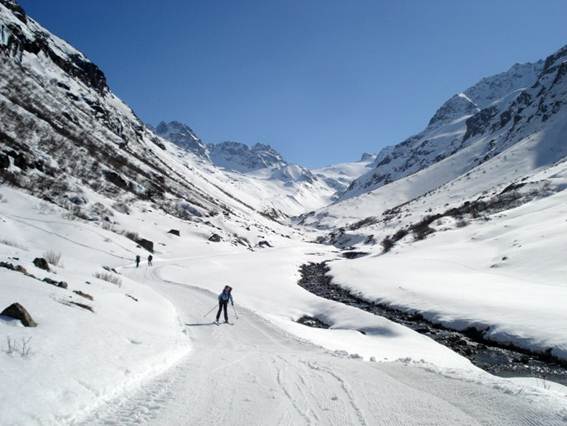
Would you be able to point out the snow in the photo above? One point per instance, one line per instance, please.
(143, 350)
(339, 176)
(168, 364)
(253, 373)
(506, 275)
(70, 368)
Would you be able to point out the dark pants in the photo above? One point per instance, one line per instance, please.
(223, 304)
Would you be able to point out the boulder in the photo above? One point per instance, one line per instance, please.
(41, 263)
(147, 244)
(4, 161)
(17, 311)
(174, 232)
(215, 238)
(264, 244)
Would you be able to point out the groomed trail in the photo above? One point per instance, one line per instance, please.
(252, 373)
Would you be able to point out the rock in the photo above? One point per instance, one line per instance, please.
(174, 232)
(20, 268)
(264, 244)
(61, 284)
(4, 161)
(7, 266)
(109, 269)
(132, 297)
(41, 263)
(215, 238)
(310, 321)
(147, 244)
(85, 295)
(82, 305)
(17, 311)
(116, 179)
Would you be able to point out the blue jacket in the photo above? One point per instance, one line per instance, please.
(225, 297)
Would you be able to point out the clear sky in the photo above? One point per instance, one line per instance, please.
(320, 80)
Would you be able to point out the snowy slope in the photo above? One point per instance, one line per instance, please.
(340, 176)
(503, 274)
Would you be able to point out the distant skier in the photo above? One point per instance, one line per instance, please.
(150, 258)
(138, 261)
(224, 298)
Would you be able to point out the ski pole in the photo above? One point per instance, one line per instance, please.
(235, 313)
(212, 309)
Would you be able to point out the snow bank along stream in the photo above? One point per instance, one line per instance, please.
(498, 359)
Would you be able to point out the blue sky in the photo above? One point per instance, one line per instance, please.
(320, 80)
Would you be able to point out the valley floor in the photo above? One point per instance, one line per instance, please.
(121, 345)
(252, 373)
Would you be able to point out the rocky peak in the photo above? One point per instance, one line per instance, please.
(242, 158)
(183, 136)
(490, 89)
(367, 157)
(16, 9)
(458, 106)
(25, 35)
(553, 60)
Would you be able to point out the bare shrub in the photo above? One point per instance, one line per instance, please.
(109, 277)
(23, 348)
(52, 257)
(461, 223)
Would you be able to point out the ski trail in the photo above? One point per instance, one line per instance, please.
(350, 398)
(63, 237)
(290, 397)
(253, 373)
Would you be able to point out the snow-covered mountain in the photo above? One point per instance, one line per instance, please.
(448, 130)
(282, 188)
(463, 153)
(68, 139)
(340, 176)
(239, 157)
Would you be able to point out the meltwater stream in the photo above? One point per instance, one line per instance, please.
(497, 359)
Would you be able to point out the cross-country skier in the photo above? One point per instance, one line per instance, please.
(137, 261)
(150, 258)
(224, 298)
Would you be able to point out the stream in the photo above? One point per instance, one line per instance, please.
(493, 357)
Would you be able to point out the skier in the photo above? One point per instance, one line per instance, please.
(224, 298)
(137, 260)
(150, 258)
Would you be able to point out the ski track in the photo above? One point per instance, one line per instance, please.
(256, 374)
